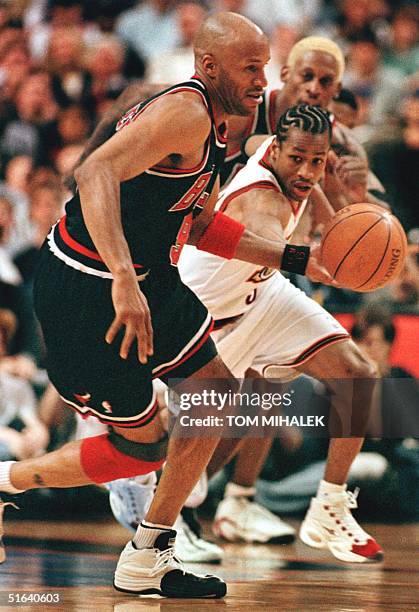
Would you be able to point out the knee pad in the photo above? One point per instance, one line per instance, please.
(111, 456)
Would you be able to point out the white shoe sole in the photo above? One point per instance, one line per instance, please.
(227, 529)
(316, 536)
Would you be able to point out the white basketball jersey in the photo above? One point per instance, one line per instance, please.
(229, 287)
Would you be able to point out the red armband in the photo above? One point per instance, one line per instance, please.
(221, 236)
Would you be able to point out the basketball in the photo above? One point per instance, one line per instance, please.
(363, 247)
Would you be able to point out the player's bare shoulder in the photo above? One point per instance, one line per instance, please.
(263, 211)
(189, 116)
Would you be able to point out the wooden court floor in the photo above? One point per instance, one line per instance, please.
(75, 562)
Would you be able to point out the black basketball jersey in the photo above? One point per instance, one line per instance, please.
(262, 122)
(157, 206)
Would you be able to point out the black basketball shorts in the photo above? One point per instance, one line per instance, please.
(75, 310)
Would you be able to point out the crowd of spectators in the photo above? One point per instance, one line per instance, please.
(64, 62)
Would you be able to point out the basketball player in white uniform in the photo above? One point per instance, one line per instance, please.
(283, 328)
(269, 327)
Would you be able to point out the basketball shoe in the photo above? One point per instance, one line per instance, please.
(191, 548)
(240, 519)
(156, 572)
(130, 499)
(3, 504)
(329, 524)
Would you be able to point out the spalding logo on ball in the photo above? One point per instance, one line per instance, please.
(363, 247)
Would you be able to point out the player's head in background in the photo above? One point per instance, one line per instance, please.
(230, 56)
(299, 151)
(374, 332)
(313, 71)
(345, 107)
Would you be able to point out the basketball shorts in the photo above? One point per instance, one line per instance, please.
(75, 311)
(283, 329)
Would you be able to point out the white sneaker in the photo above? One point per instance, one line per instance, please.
(156, 572)
(198, 493)
(130, 498)
(330, 524)
(190, 548)
(238, 518)
(3, 504)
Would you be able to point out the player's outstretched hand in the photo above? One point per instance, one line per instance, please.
(131, 312)
(315, 271)
(353, 171)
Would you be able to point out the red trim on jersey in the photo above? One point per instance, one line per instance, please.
(249, 129)
(79, 248)
(189, 354)
(142, 420)
(317, 346)
(255, 185)
(195, 169)
(271, 115)
(167, 93)
(295, 206)
(222, 137)
(264, 162)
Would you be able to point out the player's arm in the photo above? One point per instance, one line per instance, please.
(321, 208)
(252, 143)
(133, 94)
(349, 178)
(252, 231)
(164, 129)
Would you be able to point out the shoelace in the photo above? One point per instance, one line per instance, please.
(167, 556)
(342, 506)
(351, 498)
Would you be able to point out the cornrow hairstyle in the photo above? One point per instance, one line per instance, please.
(306, 118)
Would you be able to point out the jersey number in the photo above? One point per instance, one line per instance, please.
(181, 240)
(251, 297)
(194, 192)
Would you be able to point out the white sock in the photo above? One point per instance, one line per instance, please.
(147, 533)
(328, 488)
(5, 484)
(234, 490)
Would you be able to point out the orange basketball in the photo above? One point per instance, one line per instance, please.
(363, 247)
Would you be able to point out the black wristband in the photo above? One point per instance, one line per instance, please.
(295, 258)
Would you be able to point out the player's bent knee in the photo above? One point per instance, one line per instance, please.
(357, 365)
(110, 456)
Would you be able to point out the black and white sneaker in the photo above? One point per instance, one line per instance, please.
(3, 503)
(192, 548)
(156, 572)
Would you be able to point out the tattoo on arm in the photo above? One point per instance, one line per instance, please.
(39, 480)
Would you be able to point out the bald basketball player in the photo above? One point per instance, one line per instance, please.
(113, 310)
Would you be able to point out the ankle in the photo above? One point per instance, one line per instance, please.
(147, 533)
(235, 490)
(5, 482)
(329, 488)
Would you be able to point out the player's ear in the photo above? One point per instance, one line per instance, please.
(285, 73)
(275, 148)
(209, 65)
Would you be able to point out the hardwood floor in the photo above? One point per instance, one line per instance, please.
(76, 561)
